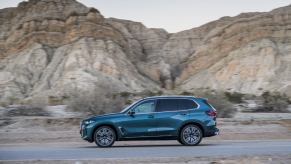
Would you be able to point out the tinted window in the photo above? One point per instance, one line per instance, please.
(167, 105)
(145, 107)
(186, 104)
(175, 104)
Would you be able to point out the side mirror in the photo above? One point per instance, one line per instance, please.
(131, 112)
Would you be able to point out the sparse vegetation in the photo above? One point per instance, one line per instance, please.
(124, 94)
(26, 111)
(186, 93)
(96, 102)
(234, 97)
(12, 100)
(99, 100)
(273, 102)
(225, 108)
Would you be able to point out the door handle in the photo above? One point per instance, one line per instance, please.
(150, 116)
(183, 114)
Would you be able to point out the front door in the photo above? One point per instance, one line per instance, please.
(141, 123)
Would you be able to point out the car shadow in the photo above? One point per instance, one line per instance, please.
(156, 145)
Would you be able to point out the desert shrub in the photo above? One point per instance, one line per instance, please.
(224, 107)
(234, 97)
(39, 102)
(147, 93)
(99, 100)
(4, 104)
(95, 103)
(159, 92)
(124, 94)
(273, 102)
(27, 111)
(13, 100)
(186, 93)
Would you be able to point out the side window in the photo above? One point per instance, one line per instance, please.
(145, 107)
(185, 104)
(167, 105)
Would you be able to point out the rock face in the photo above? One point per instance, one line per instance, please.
(55, 47)
(249, 54)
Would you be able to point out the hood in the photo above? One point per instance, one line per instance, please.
(103, 116)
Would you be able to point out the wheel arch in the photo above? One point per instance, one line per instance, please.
(192, 123)
(106, 124)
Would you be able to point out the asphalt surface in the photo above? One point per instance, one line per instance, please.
(143, 149)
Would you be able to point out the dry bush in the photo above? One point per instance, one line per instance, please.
(225, 108)
(96, 103)
(26, 111)
(101, 99)
(273, 102)
(234, 97)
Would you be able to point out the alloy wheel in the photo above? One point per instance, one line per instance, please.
(104, 136)
(191, 135)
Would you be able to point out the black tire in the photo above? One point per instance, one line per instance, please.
(190, 135)
(179, 140)
(104, 136)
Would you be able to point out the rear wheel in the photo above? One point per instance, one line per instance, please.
(104, 136)
(190, 135)
(179, 140)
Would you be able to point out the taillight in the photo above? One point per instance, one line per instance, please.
(211, 113)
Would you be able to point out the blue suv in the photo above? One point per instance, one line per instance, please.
(184, 118)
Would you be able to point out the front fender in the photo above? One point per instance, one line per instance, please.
(98, 124)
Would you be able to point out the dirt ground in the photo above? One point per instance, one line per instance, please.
(34, 129)
(52, 128)
(197, 160)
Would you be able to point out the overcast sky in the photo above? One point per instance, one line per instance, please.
(173, 15)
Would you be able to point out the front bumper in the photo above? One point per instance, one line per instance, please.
(85, 133)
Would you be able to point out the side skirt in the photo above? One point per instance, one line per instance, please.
(148, 138)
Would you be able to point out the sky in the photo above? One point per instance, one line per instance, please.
(173, 15)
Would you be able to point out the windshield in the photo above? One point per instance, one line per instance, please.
(125, 109)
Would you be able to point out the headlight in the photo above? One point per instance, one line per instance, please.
(89, 122)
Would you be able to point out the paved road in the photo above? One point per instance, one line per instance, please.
(148, 149)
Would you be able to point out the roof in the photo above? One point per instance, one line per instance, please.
(169, 96)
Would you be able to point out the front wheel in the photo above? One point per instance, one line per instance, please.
(190, 135)
(104, 136)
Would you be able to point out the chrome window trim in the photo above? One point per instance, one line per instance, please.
(156, 99)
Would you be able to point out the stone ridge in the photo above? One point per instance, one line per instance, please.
(52, 48)
(52, 23)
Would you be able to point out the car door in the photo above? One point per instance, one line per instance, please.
(141, 123)
(170, 114)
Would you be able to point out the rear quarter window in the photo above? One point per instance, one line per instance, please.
(175, 104)
(185, 104)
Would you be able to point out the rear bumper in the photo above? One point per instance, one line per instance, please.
(211, 131)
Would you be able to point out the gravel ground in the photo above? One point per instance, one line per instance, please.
(53, 128)
(197, 160)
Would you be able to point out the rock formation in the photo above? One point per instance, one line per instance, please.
(56, 47)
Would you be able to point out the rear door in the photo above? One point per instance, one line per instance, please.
(171, 113)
